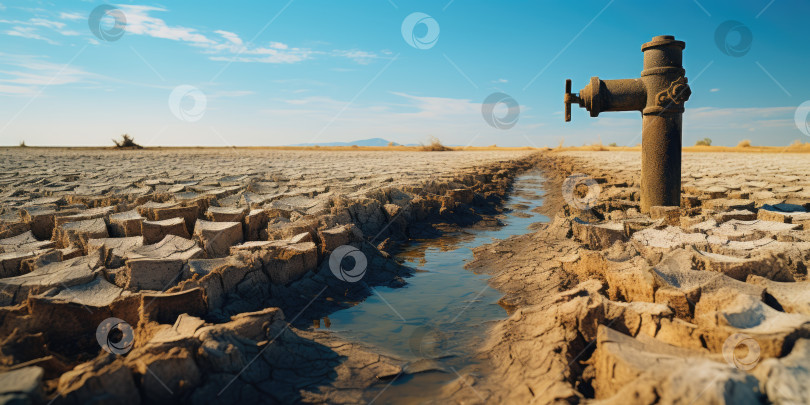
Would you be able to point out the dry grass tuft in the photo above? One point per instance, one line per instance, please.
(435, 145)
(597, 146)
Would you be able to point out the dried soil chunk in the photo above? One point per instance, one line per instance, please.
(255, 222)
(158, 266)
(792, 297)
(226, 214)
(22, 386)
(24, 242)
(126, 223)
(188, 213)
(784, 380)
(166, 307)
(80, 270)
(148, 209)
(103, 380)
(78, 233)
(40, 220)
(739, 268)
(217, 237)
(651, 372)
(773, 330)
(283, 261)
(670, 215)
(155, 231)
(598, 236)
(114, 250)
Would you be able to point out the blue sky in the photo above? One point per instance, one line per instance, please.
(287, 72)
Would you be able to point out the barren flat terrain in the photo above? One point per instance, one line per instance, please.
(192, 275)
(177, 275)
(30, 174)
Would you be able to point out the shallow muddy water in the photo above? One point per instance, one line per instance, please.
(444, 311)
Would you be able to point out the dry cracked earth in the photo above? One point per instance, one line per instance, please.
(182, 275)
(185, 275)
(706, 303)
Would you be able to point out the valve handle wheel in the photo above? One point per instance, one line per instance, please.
(570, 98)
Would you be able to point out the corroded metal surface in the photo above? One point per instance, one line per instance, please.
(659, 95)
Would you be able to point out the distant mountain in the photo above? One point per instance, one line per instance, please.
(362, 142)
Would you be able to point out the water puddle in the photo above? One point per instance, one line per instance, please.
(444, 310)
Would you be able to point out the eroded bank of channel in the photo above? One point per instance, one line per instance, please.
(443, 312)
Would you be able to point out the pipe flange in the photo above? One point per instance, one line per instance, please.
(590, 97)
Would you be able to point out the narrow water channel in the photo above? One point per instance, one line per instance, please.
(444, 311)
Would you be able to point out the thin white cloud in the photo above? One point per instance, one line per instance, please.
(41, 22)
(24, 74)
(30, 29)
(28, 32)
(226, 45)
(230, 36)
(715, 90)
(71, 16)
(139, 22)
(16, 90)
(361, 57)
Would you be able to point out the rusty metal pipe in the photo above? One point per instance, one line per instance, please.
(659, 95)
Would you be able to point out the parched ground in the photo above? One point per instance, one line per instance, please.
(179, 275)
(704, 303)
(208, 260)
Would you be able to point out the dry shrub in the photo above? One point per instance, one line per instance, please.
(798, 146)
(744, 144)
(127, 142)
(435, 145)
(704, 142)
